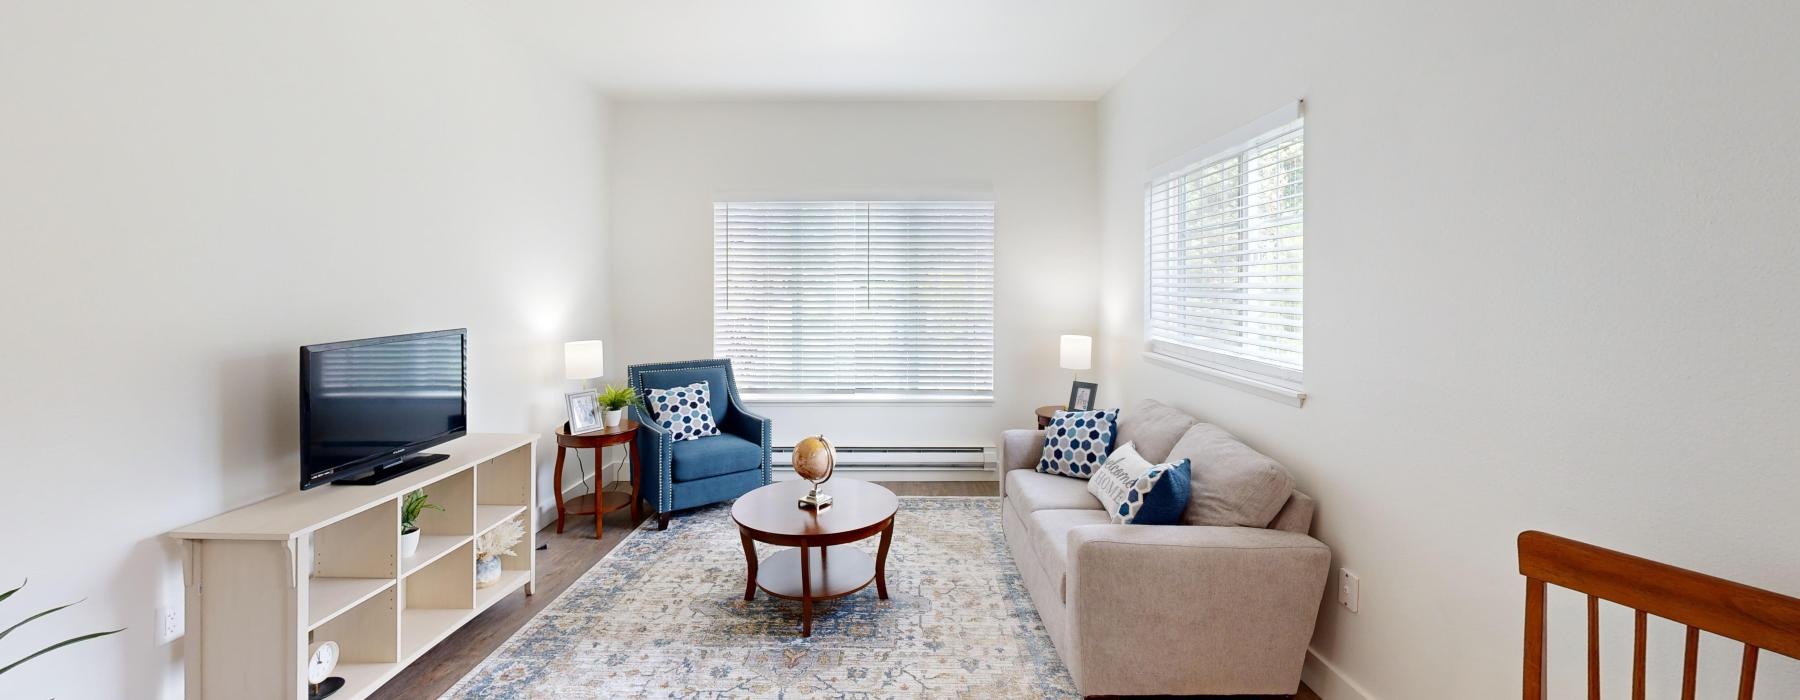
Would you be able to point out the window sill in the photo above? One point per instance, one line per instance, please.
(1272, 392)
(865, 400)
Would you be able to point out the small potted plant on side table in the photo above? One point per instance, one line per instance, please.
(615, 399)
(492, 545)
(414, 503)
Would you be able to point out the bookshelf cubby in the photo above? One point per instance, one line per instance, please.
(267, 581)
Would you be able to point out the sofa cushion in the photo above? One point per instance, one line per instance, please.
(1050, 539)
(1076, 442)
(1133, 491)
(684, 411)
(1154, 427)
(1030, 491)
(713, 455)
(1233, 484)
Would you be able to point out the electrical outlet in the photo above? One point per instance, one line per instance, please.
(1349, 588)
(169, 625)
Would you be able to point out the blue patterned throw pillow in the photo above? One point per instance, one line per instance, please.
(684, 411)
(1136, 492)
(1076, 442)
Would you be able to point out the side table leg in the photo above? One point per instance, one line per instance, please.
(637, 477)
(558, 489)
(887, 537)
(805, 592)
(599, 486)
(750, 558)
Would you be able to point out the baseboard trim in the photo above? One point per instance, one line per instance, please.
(899, 474)
(1328, 682)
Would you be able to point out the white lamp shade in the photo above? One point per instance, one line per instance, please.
(584, 359)
(1077, 352)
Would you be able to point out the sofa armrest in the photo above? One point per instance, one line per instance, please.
(1019, 449)
(1178, 609)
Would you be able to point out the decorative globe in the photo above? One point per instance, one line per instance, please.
(814, 459)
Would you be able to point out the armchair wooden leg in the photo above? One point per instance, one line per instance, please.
(662, 521)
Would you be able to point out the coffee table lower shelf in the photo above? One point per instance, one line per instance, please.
(836, 572)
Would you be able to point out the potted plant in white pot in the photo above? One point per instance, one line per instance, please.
(410, 508)
(614, 400)
(492, 545)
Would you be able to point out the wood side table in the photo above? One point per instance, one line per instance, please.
(606, 498)
(1045, 414)
(822, 566)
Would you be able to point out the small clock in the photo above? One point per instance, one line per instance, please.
(318, 671)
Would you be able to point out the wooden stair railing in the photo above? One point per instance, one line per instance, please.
(1762, 620)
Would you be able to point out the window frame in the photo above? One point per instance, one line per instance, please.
(1264, 378)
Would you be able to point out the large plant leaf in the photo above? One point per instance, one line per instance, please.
(21, 623)
(8, 594)
(56, 646)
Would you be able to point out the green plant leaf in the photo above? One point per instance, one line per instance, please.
(59, 645)
(8, 594)
(21, 623)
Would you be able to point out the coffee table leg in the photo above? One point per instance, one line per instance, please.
(749, 556)
(887, 536)
(805, 592)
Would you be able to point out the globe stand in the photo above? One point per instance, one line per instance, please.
(815, 500)
(324, 688)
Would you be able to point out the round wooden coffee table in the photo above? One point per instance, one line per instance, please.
(822, 566)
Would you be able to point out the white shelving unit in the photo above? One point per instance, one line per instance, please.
(266, 581)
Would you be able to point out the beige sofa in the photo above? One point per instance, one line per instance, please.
(1165, 609)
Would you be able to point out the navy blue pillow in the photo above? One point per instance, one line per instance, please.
(1077, 442)
(1158, 497)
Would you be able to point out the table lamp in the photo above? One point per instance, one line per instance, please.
(584, 359)
(1077, 353)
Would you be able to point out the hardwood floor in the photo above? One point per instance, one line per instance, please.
(569, 556)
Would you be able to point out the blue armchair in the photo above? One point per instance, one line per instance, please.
(693, 473)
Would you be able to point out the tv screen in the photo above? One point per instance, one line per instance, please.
(367, 405)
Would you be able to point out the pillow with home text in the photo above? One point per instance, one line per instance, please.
(684, 411)
(1076, 442)
(1136, 492)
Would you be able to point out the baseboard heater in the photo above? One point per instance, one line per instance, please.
(864, 457)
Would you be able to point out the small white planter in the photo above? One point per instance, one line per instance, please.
(409, 543)
(487, 571)
(611, 418)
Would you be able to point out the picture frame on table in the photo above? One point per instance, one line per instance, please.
(584, 412)
(1081, 396)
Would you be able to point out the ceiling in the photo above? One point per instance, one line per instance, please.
(847, 49)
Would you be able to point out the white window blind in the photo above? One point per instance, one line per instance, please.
(857, 299)
(1223, 254)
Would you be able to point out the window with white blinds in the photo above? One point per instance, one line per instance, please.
(856, 300)
(1224, 235)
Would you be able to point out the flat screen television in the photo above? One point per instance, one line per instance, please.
(369, 407)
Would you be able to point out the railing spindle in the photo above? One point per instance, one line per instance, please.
(1637, 657)
(1690, 662)
(1593, 648)
(1747, 677)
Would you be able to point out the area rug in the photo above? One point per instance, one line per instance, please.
(663, 615)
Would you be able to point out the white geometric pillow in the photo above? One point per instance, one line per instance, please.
(684, 411)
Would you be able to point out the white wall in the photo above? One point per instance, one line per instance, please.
(1550, 285)
(672, 160)
(188, 192)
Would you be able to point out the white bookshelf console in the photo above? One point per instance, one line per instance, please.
(266, 581)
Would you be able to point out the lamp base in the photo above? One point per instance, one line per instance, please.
(815, 500)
